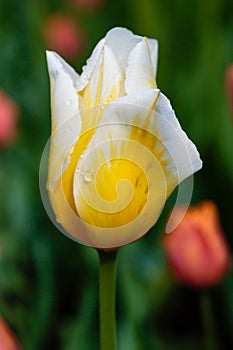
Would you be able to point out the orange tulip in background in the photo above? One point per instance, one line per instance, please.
(63, 35)
(8, 119)
(229, 87)
(7, 338)
(196, 250)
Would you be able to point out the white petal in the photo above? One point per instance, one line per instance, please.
(153, 44)
(184, 152)
(88, 69)
(55, 62)
(106, 84)
(119, 117)
(118, 120)
(72, 226)
(64, 100)
(112, 77)
(66, 121)
(140, 71)
(177, 153)
(122, 41)
(145, 98)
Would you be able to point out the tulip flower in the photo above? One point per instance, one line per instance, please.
(8, 119)
(7, 339)
(196, 250)
(62, 34)
(117, 149)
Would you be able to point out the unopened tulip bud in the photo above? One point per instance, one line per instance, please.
(117, 149)
(7, 338)
(196, 250)
(8, 119)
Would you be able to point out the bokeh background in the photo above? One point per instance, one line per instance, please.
(48, 283)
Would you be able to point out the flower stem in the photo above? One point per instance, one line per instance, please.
(107, 284)
(208, 322)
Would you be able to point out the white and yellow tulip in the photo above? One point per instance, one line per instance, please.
(117, 150)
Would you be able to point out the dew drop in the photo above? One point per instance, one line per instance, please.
(88, 176)
(82, 156)
(76, 170)
(68, 129)
(68, 103)
(58, 220)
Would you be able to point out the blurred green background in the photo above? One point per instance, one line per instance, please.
(48, 283)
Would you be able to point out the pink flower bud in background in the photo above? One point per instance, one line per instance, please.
(63, 35)
(196, 251)
(229, 87)
(88, 5)
(7, 338)
(8, 120)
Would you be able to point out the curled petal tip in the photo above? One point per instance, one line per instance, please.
(52, 62)
(56, 64)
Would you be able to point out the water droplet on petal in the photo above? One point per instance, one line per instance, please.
(68, 103)
(68, 129)
(88, 176)
(82, 156)
(84, 81)
(76, 170)
(58, 220)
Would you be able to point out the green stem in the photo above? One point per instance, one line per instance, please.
(208, 322)
(107, 287)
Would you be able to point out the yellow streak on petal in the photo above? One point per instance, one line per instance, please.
(91, 116)
(90, 119)
(67, 176)
(91, 98)
(156, 146)
(131, 193)
(151, 81)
